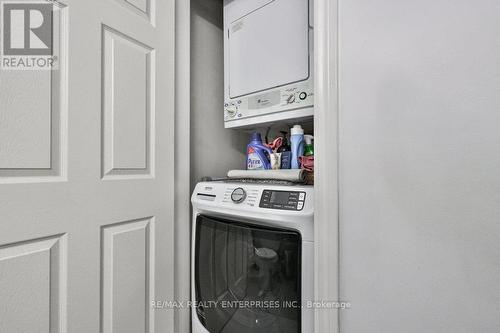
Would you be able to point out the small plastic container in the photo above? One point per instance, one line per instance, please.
(297, 144)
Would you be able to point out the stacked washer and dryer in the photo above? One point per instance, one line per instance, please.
(252, 244)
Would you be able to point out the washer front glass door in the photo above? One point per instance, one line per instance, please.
(247, 277)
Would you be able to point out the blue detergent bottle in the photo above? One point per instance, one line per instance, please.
(297, 143)
(258, 154)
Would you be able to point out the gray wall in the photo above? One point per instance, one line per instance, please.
(420, 165)
(214, 150)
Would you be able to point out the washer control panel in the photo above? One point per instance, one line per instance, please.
(286, 200)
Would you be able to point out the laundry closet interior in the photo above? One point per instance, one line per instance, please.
(251, 96)
(214, 148)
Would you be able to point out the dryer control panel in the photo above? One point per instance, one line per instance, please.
(287, 200)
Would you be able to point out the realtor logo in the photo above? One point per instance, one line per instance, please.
(27, 35)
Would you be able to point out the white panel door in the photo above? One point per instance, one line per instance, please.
(86, 180)
(419, 95)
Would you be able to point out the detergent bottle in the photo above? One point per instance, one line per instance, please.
(258, 154)
(297, 140)
(308, 148)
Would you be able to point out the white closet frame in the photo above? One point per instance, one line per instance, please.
(326, 163)
(326, 216)
(182, 214)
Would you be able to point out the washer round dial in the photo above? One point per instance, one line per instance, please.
(238, 195)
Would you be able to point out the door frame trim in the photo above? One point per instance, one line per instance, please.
(182, 174)
(326, 189)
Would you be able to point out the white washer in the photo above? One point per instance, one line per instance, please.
(252, 258)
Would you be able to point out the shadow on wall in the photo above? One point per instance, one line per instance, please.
(209, 10)
(214, 150)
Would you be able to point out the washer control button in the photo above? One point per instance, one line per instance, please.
(300, 205)
(303, 95)
(302, 196)
(238, 195)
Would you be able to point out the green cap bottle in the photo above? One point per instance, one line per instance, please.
(308, 148)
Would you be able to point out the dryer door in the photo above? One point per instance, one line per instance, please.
(247, 277)
(267, 47)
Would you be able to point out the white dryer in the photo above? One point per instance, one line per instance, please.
(252, 258)
(268, 61)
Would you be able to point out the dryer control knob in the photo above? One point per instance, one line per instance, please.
(231, 111)
(239, 195)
